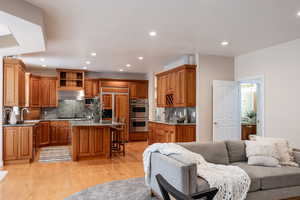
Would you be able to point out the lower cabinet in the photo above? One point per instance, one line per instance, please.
(164, 133)
(54, 133)
(18, 144)
(59, 133)
(44, 134)
(90, 141)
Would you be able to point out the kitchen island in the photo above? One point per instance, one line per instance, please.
(90, 139)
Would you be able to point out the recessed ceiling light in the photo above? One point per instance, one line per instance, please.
(140, 58)
(44, 65)
(93, 54)
(88, 62)
(84, 67)
(121, 70)
(152, 33)
(42, 59)
(128, 65)
(298, 13)
(224, 43)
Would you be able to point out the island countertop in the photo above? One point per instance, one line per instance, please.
(91, 123)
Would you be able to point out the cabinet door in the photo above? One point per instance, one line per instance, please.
(133, 90)
(180, 91)
(84, 141)
(21, 86)
(63, 134)
(186, 133)
(98, 140)
(142, 90)
(45, 92)
(35, 92)
(53, 133)
(158, 91)
(44, 137)
(95, 88)
(151, 133)
(52, 93)
(10, 85)
(107, 101)
(171, 82)
(25, 142)
(88, 88)
(191, 87)
(10, 143)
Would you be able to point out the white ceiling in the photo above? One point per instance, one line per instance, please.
(117, 30)
(4, 30)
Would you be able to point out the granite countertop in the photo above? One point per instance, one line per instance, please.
(35, 122)
(173, 123)
(91, 123)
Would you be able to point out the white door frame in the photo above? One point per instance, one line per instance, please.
(261, 80)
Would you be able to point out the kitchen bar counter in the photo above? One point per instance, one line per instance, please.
(91, 139)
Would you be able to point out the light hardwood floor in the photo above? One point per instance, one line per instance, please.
(55, 181)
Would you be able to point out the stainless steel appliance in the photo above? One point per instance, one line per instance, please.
(138, 125)
(139, 108)
(139, 115)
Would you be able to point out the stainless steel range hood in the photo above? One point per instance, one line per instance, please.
(71, 95)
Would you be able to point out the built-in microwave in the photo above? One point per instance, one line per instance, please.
(139, 108)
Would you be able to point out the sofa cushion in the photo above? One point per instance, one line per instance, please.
(201, 184)
(266, 178)
(236, 151)
(212, 152)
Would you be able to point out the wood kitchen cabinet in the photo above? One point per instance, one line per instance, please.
(44, 135)
(138, 90)
(14, 83)
(164, 133)
(48, 92)
(177, 87)
(91, 88)
(107, 101)
(18, 144)
(90, 141)
(35, 91)
(70, 79)
(59, 133)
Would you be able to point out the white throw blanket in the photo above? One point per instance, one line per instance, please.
(233, 182)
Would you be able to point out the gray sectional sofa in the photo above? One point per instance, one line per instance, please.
(267, 183)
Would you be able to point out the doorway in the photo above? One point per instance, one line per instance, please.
(238, 109)
(251, 96)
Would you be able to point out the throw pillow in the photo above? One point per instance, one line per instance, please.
(262, 154)
(265, 161)
(286, 157)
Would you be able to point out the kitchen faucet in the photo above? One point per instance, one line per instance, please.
(22, 114)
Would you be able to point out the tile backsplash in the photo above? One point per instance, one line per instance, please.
(67, 109)
(173, 114)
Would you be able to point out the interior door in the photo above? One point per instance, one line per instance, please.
(226, 115)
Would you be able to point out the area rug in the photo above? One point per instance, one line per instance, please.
(130, 189)
(2, 175)
(55, 154)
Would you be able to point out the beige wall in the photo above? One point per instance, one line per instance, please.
(1, 107)
(280, 66)
(209, 68)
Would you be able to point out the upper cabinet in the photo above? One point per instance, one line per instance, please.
(177, 87)
(70, 79)
(48, 92)
(14, 82)
(91, 88)
(138, 90)
(35, 91)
